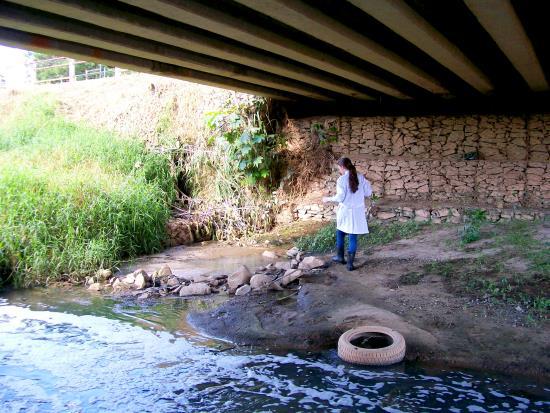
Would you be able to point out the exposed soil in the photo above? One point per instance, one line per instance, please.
(392, 288)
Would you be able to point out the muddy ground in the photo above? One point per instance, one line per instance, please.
(440, 326)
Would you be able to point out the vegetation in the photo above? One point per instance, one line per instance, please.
(471, 231)
(73, 199)
(519, 274)
(324, 239)
(228, 174)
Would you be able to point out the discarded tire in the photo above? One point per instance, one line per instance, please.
(371, 346)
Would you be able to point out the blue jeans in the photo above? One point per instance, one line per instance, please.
(340, 238)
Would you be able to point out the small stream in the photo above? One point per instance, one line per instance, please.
(66, 350)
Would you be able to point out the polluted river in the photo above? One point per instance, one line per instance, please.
(69, 350)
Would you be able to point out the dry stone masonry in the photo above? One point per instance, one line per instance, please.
(432, 167)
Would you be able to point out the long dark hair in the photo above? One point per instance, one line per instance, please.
(353, 178)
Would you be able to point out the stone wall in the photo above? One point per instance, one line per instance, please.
(436, 163)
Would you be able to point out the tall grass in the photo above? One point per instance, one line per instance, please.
(73, 198)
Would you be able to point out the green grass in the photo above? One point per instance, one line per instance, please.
(490, 275)
(73, 198)
(324, 239)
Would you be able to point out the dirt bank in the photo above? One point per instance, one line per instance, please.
(441, 326)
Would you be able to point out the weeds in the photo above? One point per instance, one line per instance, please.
(471, 231)
(73, 199)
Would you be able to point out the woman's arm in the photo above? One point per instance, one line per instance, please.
(367, 189)
(340, 193)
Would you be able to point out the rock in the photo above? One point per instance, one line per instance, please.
(385, 215)
(240, 277)
(282, 265)
(291, 275)
(104, 275)
(129, 279)
(261, 282)
(141, 280)
(172, 282)
(95, 287)
(269, 254)
(195, 289)
(90, 280)
(243, 290)
(294, 263)
(144, 296)
(309, 263)
(164, 271)
(199, 278)
(291, 253)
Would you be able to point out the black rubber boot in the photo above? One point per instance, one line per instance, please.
(339, 257)
(351, 257)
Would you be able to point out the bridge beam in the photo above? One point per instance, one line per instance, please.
(107, 16)
(403, 20)
(309, 20)
(44, 44)
(500, 20)
(57, 27)
(216, 21)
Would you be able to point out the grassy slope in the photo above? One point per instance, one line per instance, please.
(72, 198)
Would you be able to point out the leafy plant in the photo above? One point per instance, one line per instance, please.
(471, 231)
(250, 139)
(326, 134)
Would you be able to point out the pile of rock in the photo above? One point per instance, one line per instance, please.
(273, 277)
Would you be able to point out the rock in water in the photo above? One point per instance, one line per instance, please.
(129, 279)
(291, 275)
(291, 253)
(243, 290)
(95, 287)
(309, 263)
(261, 282)
(195, 289)
(240, 277)
(141, 280)
(269, 254)
(282, 265)
(173, 282)
(164, 271)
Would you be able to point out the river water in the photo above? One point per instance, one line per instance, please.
(70, 351)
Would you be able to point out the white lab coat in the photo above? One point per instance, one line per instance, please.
(351, 215)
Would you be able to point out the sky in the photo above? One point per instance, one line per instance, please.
(12, 66)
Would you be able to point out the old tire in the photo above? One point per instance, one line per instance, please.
(391, 354)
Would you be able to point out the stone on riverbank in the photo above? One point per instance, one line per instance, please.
(95, 287)
(310, 263)
(243, 290)
(291, 253)
(290, 276)
(261, 282)
(240, 277)
(282, 265)
(195, 289)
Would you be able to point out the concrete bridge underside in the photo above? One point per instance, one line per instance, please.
(317, 55)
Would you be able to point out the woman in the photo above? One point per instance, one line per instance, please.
(351, 191)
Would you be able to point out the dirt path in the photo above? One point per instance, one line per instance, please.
(439, 327)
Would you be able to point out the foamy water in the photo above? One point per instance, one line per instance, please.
(65, 352)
